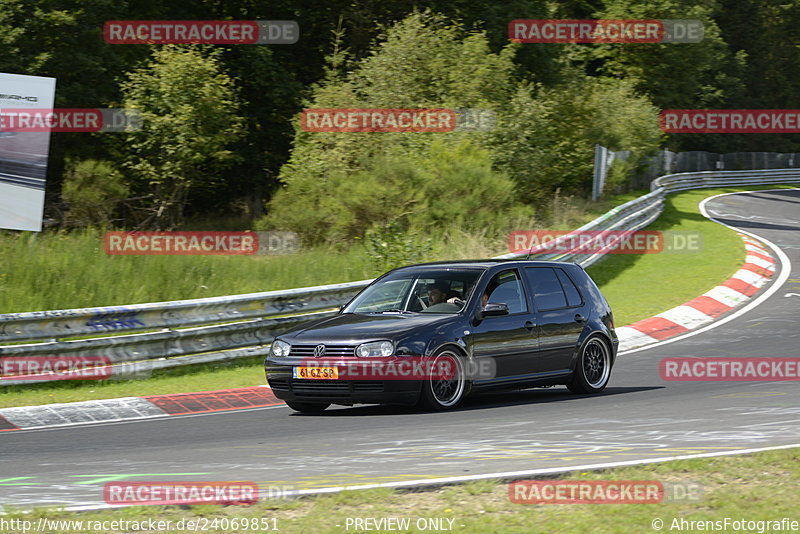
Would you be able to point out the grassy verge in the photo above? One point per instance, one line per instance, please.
(636, 286)
(755, 487)
(59, 270)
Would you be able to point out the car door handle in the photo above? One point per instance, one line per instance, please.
(529, 325)
(579, 318)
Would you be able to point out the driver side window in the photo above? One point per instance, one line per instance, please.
(505, 287)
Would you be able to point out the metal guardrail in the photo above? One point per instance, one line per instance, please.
(640, 212)
(230, 323)
(136, 317)
(243, 325)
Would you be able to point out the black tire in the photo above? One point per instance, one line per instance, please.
(307, 407)
(593, 369)
(445, 394)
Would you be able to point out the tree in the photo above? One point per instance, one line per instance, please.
(674, 75)
(765, 34)
(424, 61)
(547, 140)
(64, 40)
(270, 96)
(189, 114)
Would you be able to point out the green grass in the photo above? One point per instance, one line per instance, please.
(58, 270)
(639, 286)
(61, 270)
(761, 486)
(636, 286)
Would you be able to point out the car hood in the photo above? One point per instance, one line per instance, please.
(354, 327)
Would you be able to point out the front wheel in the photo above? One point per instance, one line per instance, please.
(444, 392)
(593, 368)
(307, 407)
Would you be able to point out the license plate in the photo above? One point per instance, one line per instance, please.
(316, 373)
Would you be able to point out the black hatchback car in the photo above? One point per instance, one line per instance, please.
(430, 334)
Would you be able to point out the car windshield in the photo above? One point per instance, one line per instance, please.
(434, 291)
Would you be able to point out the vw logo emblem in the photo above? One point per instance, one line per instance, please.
(319, 351)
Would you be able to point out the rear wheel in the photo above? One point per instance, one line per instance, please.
(307, 407)
(593, 369)
(444, 392)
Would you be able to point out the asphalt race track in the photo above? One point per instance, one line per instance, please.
(638, 416)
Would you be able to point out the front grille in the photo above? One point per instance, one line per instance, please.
(279, 383)
(321, 388)
(334, 388)
(332, 351)
(365, 386)
(300, 386)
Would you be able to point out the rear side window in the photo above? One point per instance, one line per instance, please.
(573, 296)
(547, 291)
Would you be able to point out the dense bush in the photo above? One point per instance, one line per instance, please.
(546, 141)
(338, 185)
(91, 191)
(447, 186)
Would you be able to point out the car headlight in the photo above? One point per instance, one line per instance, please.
(280, 348)
(375, 349)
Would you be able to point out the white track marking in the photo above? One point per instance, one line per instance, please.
(785, 272)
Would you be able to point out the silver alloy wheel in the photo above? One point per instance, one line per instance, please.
(448, 392)
(596, 363)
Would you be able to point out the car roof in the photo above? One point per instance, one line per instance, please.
(481, 264)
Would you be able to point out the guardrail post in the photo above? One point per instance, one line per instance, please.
(600, 170)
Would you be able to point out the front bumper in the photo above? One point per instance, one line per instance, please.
(348, 392)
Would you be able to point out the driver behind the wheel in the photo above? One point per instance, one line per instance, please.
(437, 293)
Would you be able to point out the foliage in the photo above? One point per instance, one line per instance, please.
(708, 71)
(91, 189)
(547, 140)
(339, 185)
(423, 61)
(269, 95)
(699, 75)
(390, 246)
(618, 176)
(439, 53)
(446, 186)
(189, 114)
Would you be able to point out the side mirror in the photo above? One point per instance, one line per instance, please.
(495, 308)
